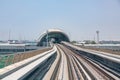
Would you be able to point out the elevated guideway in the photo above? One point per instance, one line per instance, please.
(110, 62)
(18, 72)
(70, 64)
(65, 62)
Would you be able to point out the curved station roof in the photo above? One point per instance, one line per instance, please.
(52, 35)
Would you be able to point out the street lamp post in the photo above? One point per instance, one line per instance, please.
(47, 38)
(97, 36)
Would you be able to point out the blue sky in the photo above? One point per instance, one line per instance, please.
(27, 19)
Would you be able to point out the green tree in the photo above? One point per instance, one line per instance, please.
(73, 42)
(93, 42)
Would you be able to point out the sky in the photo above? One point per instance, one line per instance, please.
(80, 19)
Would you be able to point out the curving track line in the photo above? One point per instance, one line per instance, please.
(70, 65)
(91, 70)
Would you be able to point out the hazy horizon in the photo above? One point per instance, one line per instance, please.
(80, 19)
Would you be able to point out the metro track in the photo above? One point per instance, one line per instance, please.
(75, 72)
(57, 67)
(95, 71)
(91, 70)
(39, 72)
(68, 64)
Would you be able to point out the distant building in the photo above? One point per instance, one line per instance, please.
(110, 42)
(14, 46)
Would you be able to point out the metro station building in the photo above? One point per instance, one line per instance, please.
(52, 36)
